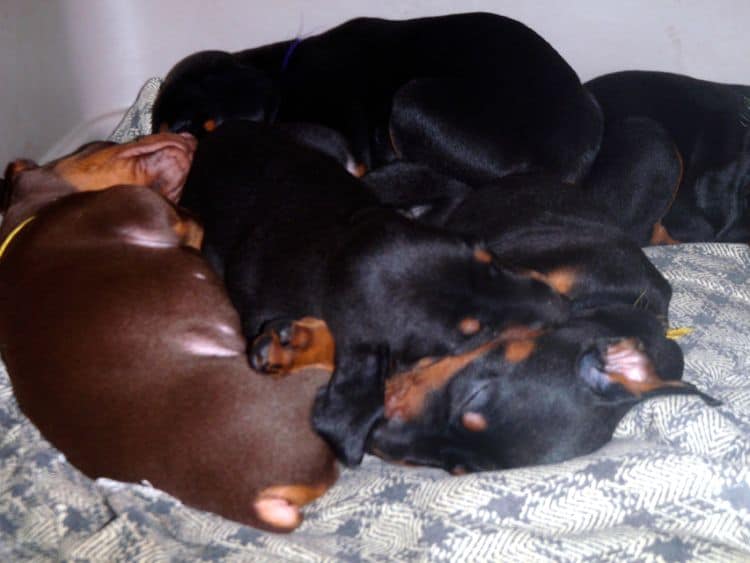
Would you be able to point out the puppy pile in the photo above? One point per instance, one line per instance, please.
(420, 239)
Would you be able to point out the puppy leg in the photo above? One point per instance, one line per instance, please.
(278, 507)
(286, 346)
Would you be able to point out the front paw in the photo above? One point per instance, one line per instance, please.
(286, 346)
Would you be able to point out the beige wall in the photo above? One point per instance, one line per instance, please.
(71, 63)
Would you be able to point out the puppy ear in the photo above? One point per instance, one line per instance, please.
(18, 166)
(621, 371)
(6, 184)
(346, 410)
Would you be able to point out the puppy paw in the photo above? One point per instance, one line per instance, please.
(277, 514)
(286, 346)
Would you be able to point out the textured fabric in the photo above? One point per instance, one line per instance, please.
(137, 120)
(673, 485)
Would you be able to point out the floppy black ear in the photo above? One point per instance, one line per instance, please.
(346, 410)
(620, 370)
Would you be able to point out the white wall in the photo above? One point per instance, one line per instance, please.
(64, 63)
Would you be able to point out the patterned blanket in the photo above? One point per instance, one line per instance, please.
(673, 485)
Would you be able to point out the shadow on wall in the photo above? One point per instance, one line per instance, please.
(38, 98)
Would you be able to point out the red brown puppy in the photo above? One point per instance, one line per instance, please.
(124, 350)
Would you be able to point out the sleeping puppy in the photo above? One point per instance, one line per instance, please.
(631, 185)
(294, 235)
(568, 237)
(474, 95)
(124, 350)
(635, 178)
(571, 242)
(710, 125)
(530, 396)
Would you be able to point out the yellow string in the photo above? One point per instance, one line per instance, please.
(675, 333)
(13, 234)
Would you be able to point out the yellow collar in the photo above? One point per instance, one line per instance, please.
(13, 233)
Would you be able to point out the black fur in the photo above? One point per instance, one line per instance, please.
(710, 125)
(475, 95)
(294, 235)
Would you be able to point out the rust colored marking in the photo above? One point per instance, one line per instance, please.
(474, 422)
(469, 326)
(562, 280)
(406, 392)
(151, 161)
(660, 235)
(209, 125)
(164, 127)
(482, 255)
(190, 232)
(518, 350)
(311, 345)
(359, 170)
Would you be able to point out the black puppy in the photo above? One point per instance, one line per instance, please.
(295, 236)
(561, 233)
(417, 191)
(534, 396)
(573, 243)
(635, 178)
(631, 185)
(539, 397)
(710, 124)
(474, 95)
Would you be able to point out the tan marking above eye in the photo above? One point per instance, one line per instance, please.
(518, 350)
(482, 255)
(209, 125)
(469, 326)
(406, 392)
(562, 280)
(474, 422)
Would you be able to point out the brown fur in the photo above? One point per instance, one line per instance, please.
(123, 348)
